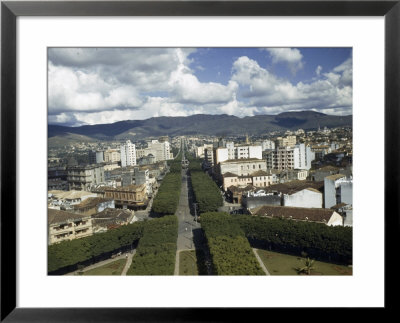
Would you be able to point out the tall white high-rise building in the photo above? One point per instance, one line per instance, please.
(302, 157)
(128, 154)
(231, 150)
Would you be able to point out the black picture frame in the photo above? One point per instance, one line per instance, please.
(10, 10)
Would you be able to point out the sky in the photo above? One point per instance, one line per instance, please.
(106, 85)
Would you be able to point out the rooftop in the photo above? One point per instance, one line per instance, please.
(335, 176)
(229, 174)
(260, 173)
(243, 160)
(58, 216)
(296, 213)
(109, 217)
(327, 169)
(70, 195)
(129, 188)
(296, 186)
(235, 189)
(91, 202)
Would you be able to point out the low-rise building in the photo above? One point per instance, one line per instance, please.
(242, 167)
(235, 194)
(82, 178)
(64, 225)
(261, 178)
(259, 198)
(147, 160)
(308, 198)
(132, 196)
(288, 175)
(322, 172)
(93, 205)
(326, 216)
(65, 200)
(258, 179)
(112, 218)
(346, 211)
(297, 193)
(111, 166)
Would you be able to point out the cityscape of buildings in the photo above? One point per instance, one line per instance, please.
(190, 175)
(299, 175)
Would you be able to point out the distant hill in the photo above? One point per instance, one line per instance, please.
(67, 138)
(202, 124)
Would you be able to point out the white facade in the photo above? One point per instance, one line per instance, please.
(243, 168)
(309, 198)
(345, 191)
(160, 150)
(99, 157)
(112, 156)
(335, 220)
(302, 157)
(267, 145)
(128, 154)
(338, 189)
(200, 150)
(221, 155)
(262, 180)
(244, 152)
(231, 150)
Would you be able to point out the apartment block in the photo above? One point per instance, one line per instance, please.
(83, 178)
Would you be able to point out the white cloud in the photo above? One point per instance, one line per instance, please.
(269, 93)
(318, 70)
(186, 88)
(91, 80)
(291, 56)
(236, 108)
(90, 86)
(71, 90)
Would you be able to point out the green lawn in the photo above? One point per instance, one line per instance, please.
(191, 263)
(188, 263)
(283, 264)
(113, 268)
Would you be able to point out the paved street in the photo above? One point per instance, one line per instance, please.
(128, 262)
(105, 262)
(185, 219)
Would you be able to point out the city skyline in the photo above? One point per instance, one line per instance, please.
(106, 85)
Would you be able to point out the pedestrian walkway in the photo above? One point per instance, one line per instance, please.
(176, 271)
(128, 262)
(261, 262)
(97, 264)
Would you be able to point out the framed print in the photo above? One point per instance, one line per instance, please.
(102, 96)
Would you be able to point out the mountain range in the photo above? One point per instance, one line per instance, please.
(217, 125)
